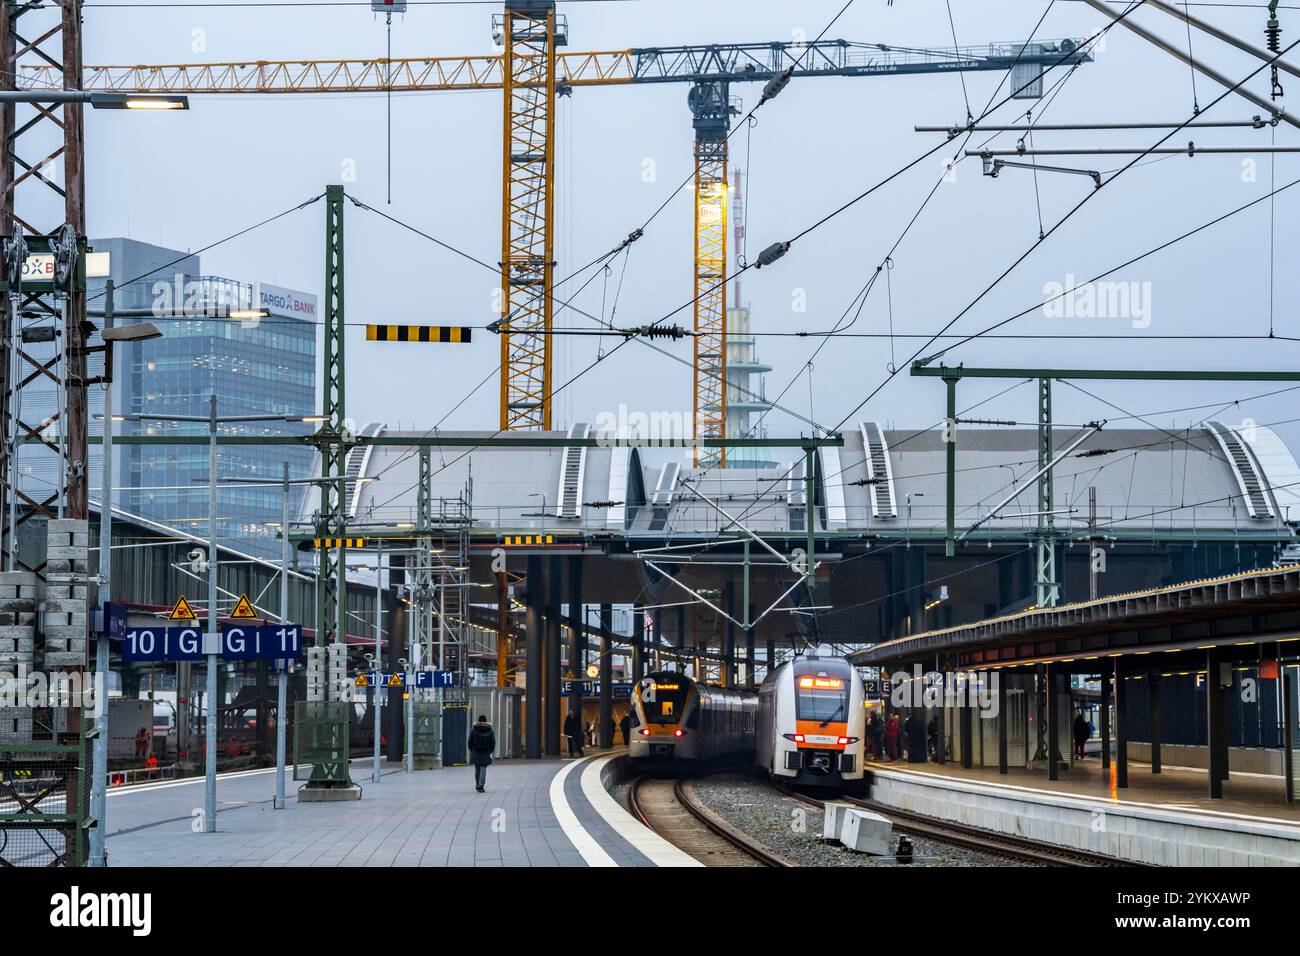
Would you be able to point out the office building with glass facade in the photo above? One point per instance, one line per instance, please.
(258, 366)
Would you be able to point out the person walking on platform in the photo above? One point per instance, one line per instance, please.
(573, 732)
(482, 741)
(891, 736)
(1081, 734)
(625, 725)
(932, 737)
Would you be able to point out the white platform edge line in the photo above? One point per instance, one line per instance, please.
(654, 847)
(582, 841)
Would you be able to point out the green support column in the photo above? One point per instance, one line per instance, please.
(1001, 678)
(1053, 722)
(1153, 690)
(552, 719)
(1103, 714)
(1045, 580)
(330, 596)
(1218, 678)
(1121, 728)
(810, 520)
(950, 456)
(321, 731)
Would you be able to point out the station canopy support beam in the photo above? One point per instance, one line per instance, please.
(951, 375)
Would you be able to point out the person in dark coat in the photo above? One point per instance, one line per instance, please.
(1082, 731)
(876, 735)
(916, 740)
(625, 725)
(914, 736)
(932, 737)
(482, 741)
(573, 731)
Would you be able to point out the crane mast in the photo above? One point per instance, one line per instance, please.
(529, 32)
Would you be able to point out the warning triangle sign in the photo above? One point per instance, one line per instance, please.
(181, 610)
(395, 680)
(361, 681)
(243, 609)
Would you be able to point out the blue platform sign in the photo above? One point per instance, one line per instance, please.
(238, 643)
(435, 678)
(619, 689)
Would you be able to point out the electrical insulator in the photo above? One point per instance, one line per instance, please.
(776, 84)
(661, 331)
(772, 253)
(1273, 30)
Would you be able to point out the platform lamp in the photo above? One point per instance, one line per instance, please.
(111, 334)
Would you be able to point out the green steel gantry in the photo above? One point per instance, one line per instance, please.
(1047, 587)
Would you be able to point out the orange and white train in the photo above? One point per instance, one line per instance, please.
(812, 724)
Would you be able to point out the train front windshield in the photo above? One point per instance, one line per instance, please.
(663, 700)
(823, 699)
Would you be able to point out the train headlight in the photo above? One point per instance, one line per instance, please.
(679, 732)
(645, 731)
(848, 740)
(797, 738)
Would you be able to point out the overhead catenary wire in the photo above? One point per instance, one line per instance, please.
(1069, 215)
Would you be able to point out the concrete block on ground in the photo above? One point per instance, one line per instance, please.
(866, 832)
(833, 820)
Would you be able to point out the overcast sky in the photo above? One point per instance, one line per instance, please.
(184, 180)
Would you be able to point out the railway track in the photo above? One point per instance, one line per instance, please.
(669, 808)
(974, 838)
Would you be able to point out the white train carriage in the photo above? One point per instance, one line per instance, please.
(678, 721)
(812, 723)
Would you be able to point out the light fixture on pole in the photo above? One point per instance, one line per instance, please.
(212, 636)
(111, 335)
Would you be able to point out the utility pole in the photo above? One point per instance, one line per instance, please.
(213, 639)
(377, 691)
(99, 757)
(1092, 542)
(282, 681)
(1047, 590)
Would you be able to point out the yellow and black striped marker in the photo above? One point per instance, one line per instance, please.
(327, 544)
(524, 540)
(418, 333)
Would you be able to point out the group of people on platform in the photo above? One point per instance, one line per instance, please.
(894, 737)
(891, 737)
(579, 736)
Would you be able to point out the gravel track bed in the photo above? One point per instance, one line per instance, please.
(793, 829)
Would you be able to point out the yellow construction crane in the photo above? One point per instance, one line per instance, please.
(532, 71)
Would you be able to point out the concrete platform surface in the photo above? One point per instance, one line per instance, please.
(534, 813)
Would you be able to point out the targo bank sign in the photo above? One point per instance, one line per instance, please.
(280, 301)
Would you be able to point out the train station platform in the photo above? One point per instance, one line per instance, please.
(544, 813)
(1164, 819)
